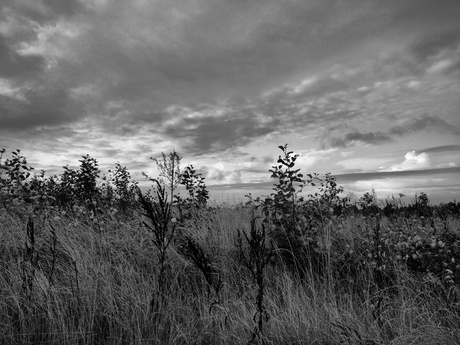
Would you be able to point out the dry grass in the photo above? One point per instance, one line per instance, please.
(94, 284)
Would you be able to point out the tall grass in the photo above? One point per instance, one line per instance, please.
(104, 274)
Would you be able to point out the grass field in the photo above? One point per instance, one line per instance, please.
(82, 263)
(94, 280)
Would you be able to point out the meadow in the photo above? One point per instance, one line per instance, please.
(91, 259)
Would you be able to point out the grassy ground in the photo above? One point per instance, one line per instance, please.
(82, 279)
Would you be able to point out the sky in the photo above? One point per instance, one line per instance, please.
(366, 90)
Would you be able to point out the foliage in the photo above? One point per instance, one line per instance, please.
(16, 171)
(71, 189)
(195, 185)
(125, 188)
(293, 220)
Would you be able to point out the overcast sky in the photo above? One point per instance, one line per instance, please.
(367, 90)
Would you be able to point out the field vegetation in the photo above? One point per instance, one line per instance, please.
(88, 258)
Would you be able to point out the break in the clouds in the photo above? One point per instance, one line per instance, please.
(413, 161)
(223, 81)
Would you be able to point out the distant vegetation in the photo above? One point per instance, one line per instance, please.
(88, 258)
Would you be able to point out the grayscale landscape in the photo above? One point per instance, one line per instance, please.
(230, 172)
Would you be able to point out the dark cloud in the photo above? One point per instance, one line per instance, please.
(414, 125)
(15, 65)
(267, 159)
(350, 178)
(422, 123)
(218, 50)
(436, 42)
(43, 11)
(216, 133)
(36, 110)
(343, 178)
(353, 138)
(440, 149)
(112, 153)
(67, 8)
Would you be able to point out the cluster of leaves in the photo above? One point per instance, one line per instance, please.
(15, 173)
(424, 245)
(195, 185)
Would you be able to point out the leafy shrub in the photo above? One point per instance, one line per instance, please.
(195, 185)
(16, 172)
(297, 225)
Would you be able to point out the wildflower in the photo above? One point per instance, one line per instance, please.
(173, 220)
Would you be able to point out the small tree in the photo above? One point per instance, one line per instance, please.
(64, 187)
(290, 182)
(196, 187)
(15, 174)
(119, 187)
(87, 176)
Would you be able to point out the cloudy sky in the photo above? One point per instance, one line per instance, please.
(367, 90)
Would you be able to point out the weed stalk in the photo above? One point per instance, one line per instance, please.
(256, 260)
(158, 213)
